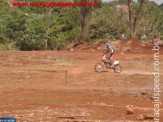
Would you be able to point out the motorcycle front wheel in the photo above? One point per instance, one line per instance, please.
(99, 67)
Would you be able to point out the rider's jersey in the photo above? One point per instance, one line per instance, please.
(111, 50)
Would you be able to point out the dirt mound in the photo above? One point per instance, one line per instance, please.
(132, 45)
(81, 45)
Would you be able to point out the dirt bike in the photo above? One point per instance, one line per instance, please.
(99, 67)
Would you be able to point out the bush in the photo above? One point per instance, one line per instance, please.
(3, 46)
(31, 44)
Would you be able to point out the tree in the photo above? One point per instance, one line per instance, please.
(161, 6)
(134, 20)
(121, 2)
(84, 12)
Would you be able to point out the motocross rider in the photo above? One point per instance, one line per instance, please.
(109, 49)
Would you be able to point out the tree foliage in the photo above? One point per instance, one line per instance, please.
(39, 28)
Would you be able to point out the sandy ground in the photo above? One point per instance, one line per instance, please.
(34, 87)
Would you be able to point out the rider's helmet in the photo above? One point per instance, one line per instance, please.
(108, 45)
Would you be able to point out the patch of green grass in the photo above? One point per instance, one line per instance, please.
(66, 62)
(46, 100)
(3, 46)
(26, 100)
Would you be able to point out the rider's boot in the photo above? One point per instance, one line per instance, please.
(109, 64)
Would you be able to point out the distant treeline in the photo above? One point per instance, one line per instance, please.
(39, 28)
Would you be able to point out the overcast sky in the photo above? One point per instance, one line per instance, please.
(157, 1)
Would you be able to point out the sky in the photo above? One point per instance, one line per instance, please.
(157, 1)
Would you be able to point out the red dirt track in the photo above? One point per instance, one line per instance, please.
(33, 87)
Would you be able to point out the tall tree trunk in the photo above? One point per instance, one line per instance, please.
(47, 29)
(137, 17)
(130, 5)
(84, 20)
(134, 20)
